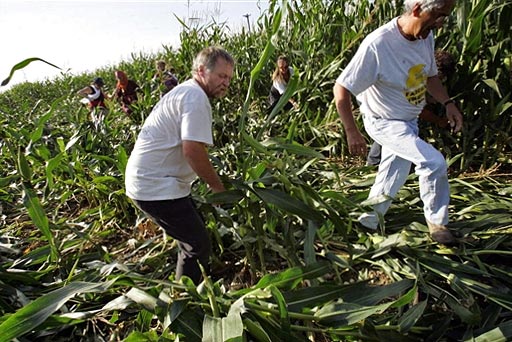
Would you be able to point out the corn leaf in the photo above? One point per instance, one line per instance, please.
(346, 314)
(229, 328)
(502, 333)
(411, 316)
(35, 313)
(38, 216)
(284, 317)
(288, 203)
(22, 65)
(291, 277)
(256, 330)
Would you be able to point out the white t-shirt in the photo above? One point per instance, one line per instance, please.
(281, 85)
(388, 74)
(95, 94)
(156, 169)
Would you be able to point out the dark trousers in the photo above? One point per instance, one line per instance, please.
(273, 98)
(183, 222)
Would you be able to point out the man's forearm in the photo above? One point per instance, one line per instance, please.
(342, 99)
(436, 88)
(196, 155)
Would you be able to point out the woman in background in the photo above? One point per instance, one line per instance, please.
(280, 78)
(125, 92)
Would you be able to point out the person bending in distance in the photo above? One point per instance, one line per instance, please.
(125, 92)
(280, 78)
(171, 151)
(94, 97)
(390, 74)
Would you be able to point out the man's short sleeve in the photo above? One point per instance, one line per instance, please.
(196, 122)
(361, 72)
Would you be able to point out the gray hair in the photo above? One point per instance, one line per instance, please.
(209, 56)
(426, 5)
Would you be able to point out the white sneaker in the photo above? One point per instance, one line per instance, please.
(369, 220)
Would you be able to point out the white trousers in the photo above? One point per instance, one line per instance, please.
(402, 147)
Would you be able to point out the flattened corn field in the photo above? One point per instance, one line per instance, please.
(291, 263)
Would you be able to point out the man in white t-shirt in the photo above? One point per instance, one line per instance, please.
(390, 74)
(171, 151)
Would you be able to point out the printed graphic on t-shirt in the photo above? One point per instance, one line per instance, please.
(416, 84)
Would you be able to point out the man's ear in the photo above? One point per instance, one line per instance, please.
(200, 70)
(416, 9)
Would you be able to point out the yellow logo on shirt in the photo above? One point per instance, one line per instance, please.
(416, 85)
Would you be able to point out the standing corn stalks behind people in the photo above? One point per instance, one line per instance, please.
(390, 74)
(171, 151)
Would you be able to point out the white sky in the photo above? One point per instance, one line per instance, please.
(79, 35)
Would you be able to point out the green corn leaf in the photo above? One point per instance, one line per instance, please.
(291, 277)
(35, 313)
(288, 203)
(406, 298)
(22, 65)
(376, 200)
(51, 165)
(269, 47)
(74, 139)
(122, 159)
(229, 196)
(309, 248)
(371, 295)
(493, 85)
(142, 298)
(502, 333)
(5, 181)
(255, 144)
(137, 336)
(409, 319)
(39, 218)
(360, 294)
(298, 150)
(283, 311)
(35, 257)
(23, 167)
(38, 132)
(229, 328)
(465, 314)
(188, 324)
(255, 72)
(346, 314)
(256, 330)
(257, 171)
(309, 297)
